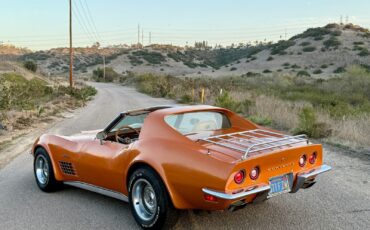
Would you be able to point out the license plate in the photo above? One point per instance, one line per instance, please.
(279, 185)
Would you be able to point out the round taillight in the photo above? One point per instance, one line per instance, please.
(255, 172)
(302, 160)
(239, 177)
(312, 158)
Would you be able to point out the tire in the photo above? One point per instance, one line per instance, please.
(149, 201)
(43, 171)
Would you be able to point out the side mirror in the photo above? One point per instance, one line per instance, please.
(101, 136)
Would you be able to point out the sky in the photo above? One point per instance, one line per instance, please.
(43, 24)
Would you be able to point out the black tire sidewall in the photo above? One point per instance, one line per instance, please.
(161, 195)
(51, 182)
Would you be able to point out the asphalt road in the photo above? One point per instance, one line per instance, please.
(339, 200)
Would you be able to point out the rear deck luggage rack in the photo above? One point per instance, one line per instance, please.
(254, 140)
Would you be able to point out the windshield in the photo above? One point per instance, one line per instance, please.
(135, 121)
(195, 122)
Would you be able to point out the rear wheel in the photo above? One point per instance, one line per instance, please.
(44, 173)
(149, 201)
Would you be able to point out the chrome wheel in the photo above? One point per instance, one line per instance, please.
(42, 169)
(144, 199)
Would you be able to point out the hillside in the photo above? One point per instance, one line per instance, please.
(318, 52)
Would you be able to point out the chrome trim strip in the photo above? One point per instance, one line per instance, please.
(97, 189)
(227, 196)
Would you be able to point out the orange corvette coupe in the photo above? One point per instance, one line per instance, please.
(162, 159)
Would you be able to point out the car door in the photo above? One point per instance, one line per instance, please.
(102, 164)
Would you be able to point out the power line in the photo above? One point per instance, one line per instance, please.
(81, 21)
(86, 17)
(92, 19)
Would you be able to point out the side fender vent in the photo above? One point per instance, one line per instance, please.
(67, 168)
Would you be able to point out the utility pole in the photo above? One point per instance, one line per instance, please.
(150, 38)
(285, 33)
(104, 67)
(70, 46)
(138, 35)
(142, 37)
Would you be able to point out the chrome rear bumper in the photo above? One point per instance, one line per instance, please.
(304, 180)
(237, 196)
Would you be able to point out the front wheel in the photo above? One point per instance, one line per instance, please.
(149, 201)
(44, 173)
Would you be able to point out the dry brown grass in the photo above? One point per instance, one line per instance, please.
(351, 131)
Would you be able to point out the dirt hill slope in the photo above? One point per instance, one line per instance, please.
(318, 52)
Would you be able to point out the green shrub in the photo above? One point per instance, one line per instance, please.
(313, 32)
(267, 71)
(332, 42)
(110, 75)
(340, 69)
(336, 33)
(226, 101)
(308, 124)
(324, 66)
(30, 65)
(281, 46)
(309, 49)
(150, 57)
(319, 38)
(358, 43)
(233, 68)
(259, 120)
(302, 73)
(270, 58)
(305, 43)
(286, 64)
(364, 52)
(185, 99)
(317, 71)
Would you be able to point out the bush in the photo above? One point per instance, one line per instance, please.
(317, 71)
(364, 52)
(110, 75)
(185, 99)
(267, 71)
(332, 42)
(286, 64)
(226, 101)
(340, 69)
(313, 32)
(150, 57)
(305, 43)
(270, 58)
(281, 46)
(259, 120)
(302, 73)
(358, 43)
(309, 49)
(30, 65)
(324, 66)
(308, 124)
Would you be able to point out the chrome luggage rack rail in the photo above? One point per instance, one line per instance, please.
(254, 140)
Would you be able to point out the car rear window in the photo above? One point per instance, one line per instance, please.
(195, 122)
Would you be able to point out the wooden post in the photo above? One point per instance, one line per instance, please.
(202, 96)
